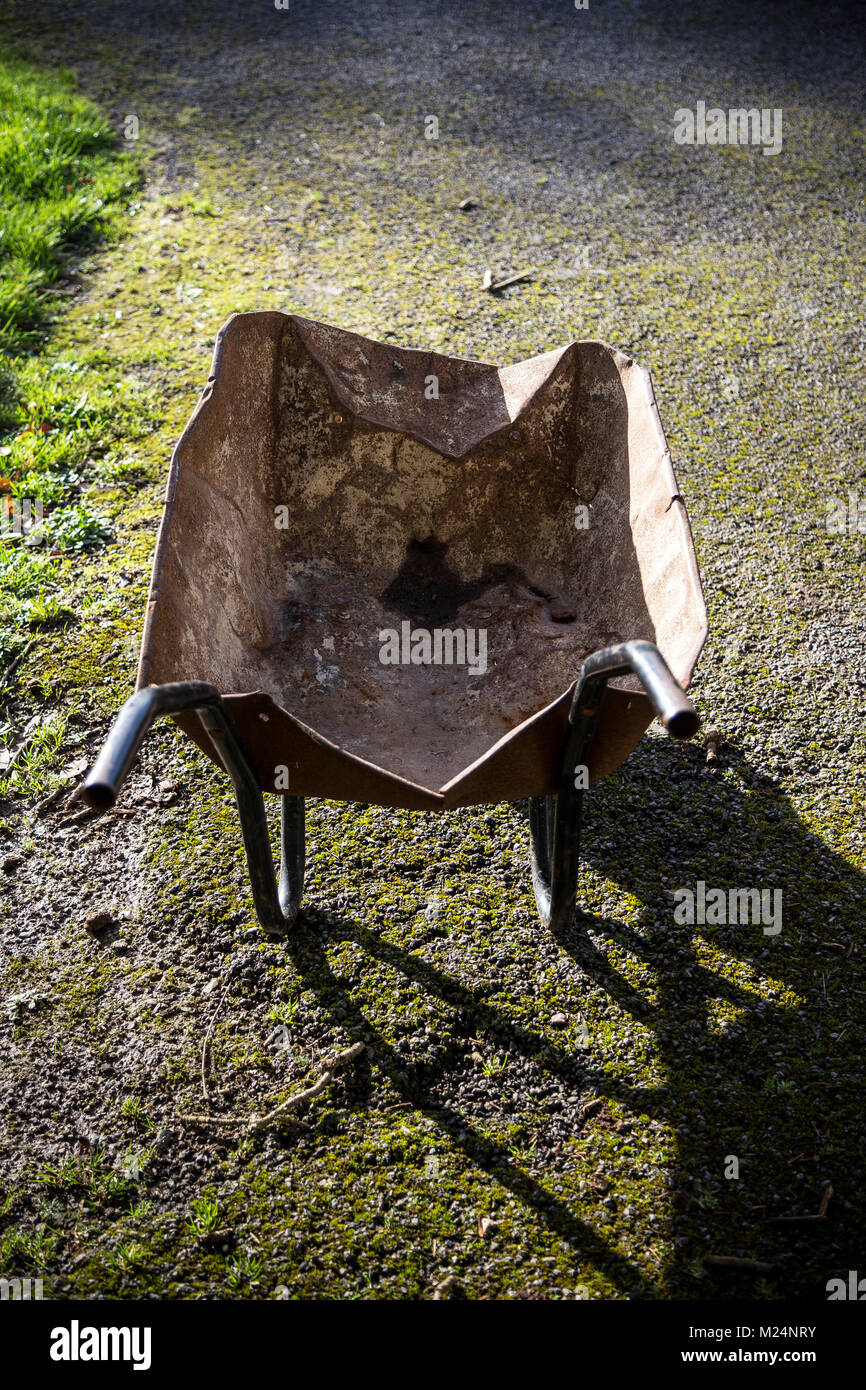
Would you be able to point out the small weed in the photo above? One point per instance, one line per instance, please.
(140, 1210)
(94, 1177)
(204, 1217)
(27, 1249)
(244, 1271)
(777, 1085)
(133, 1109)
(494, 1066)
(46, 611)
(76, 529)
(285, 1011)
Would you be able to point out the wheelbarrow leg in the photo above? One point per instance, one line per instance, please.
(554, 828)
(555, 821)
(276, 906)
(293, 854)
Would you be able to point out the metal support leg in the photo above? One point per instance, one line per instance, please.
(555, 821)
(276, 907)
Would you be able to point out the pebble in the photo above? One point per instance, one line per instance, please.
(98, 922)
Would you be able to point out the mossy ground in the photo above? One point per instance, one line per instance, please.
(286, 165)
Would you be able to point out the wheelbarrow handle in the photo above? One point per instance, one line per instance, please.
(277, 904)
(106, 777)
(555, 821)
(643, 659)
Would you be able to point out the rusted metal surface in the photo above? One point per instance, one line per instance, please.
(329, 489)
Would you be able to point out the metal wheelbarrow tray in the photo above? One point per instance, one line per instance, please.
(390, 576)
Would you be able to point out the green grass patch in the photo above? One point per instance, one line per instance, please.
(65, 423)
(62, 178)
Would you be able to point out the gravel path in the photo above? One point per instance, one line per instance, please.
(538, 1118)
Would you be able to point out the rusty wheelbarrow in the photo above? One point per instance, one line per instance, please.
(394, 577)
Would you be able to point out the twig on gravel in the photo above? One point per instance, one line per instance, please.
(207, 1038)
(325, 1079)
(78, 817)
(15, 663)
(444, 1288)
(494, 286)
(589, 1109)
(225, 1237)
(792, 1220)
(258, 1123)
(820, 1215)
(42, 807)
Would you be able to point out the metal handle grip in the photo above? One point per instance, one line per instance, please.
(106, 777)
(673, 707)
(669, 701)
(554, 821)
(277, 907)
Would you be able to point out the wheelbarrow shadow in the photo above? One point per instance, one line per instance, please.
(742, 1063)
(747, 1016)
(416, 1082)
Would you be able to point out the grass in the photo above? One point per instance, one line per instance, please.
(495, 1066)
(20, 1249)
(204, 1217)
(244, 1271)
(94, 1177)
(133, 1108)
(61, 177)
(61, 456)
(63, 423)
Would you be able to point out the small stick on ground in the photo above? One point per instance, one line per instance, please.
(258, 1123)
(444, 1288)
(14, 664)
(589, 1109)
(43, 807)
(494, 286)
(341, 1060)
(78, 817)
(207, 1038)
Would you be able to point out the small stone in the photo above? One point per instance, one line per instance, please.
(164, 1139)
(97, 923)
(11, 863)
(559, 1021)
